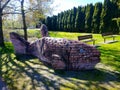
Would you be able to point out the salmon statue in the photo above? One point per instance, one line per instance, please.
(59, 53)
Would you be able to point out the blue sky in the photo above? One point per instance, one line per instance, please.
(62, 5)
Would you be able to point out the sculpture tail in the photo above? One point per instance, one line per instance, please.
(19, 43)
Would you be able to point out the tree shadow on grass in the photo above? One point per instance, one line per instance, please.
(30, 74)
(15, 73)
(90, 78)
(92, 75)
(111, 58)
(25, 57)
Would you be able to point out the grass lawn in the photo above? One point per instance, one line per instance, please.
(28, 73)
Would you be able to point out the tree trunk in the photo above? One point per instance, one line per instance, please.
(1, 31)
(24, 21)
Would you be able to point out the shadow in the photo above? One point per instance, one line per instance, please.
(25, 57)
(2, 85)
(27, 73)
(91, 75)
(96, 46)
(110, 42)
(22, 70)
(97, 75)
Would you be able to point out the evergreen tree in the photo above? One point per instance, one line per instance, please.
(60, 21)
(88, 18)
(73, 11)
(77, 20)
(65, 21)
(54, 23)
(96, 18)
(106, 17)
(115, 14)
(80, 19)
(49, 23)
(58, 16)
(69, 21)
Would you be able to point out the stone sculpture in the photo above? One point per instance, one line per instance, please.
(58, 53)
(44, 30)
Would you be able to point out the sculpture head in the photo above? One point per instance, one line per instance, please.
(44, 31)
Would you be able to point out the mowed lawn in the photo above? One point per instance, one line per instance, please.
(28, 73)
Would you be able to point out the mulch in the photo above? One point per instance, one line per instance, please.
(2, 85)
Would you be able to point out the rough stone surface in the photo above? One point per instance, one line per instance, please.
(44, 30)
(60, 53)
(65, 54)
(20, 44)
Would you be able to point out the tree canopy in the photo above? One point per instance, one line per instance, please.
(31, 11)
(90, 18)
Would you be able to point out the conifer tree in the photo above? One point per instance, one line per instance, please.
(96, 18)
(80, 19)
(105, 25)
(73, 11)
(88, 18)
(69, 26)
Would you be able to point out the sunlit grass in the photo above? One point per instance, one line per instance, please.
(110, 55)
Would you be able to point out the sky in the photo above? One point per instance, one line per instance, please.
(62, 5)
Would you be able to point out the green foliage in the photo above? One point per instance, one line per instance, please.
(7, 49)
(109, 11)
(96, 18)
(80, 19)
(49, 22)
(74, 11)
(90, 18)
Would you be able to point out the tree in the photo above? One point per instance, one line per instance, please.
(58, 21)
(115, 16)
(106, 17)
(23, 19)
(3, 4)
(65, 20)
(88, 18)
(38, 10)
(54, 23)
(80, 19)
(60, 24)
(49, 23)
(69, 21)
(73, 11)
(96, 18)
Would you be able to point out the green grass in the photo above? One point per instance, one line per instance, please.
(110, 55)
(28, 73)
